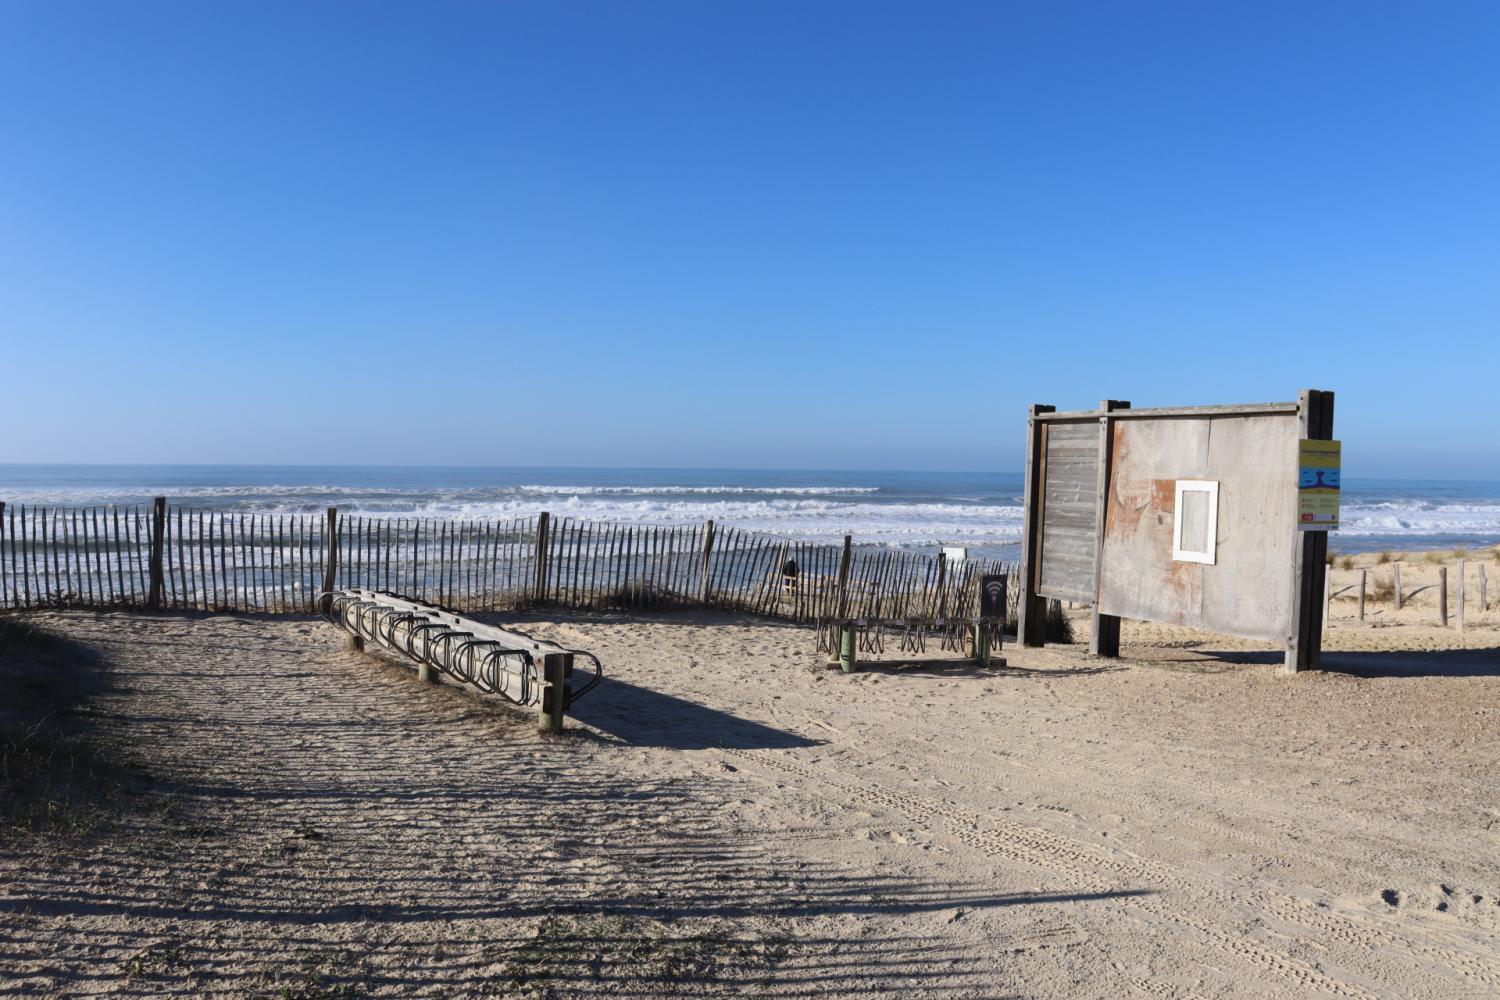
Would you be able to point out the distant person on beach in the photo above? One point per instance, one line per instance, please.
(789, 576)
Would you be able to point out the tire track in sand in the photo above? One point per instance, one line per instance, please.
(1046, 851)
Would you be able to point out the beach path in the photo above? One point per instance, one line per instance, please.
(727, 817)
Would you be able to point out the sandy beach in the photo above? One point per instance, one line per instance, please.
(726, 816)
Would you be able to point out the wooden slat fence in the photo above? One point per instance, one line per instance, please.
(183, 558)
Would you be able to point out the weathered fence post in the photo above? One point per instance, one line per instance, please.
(1484, 588)
(848, 660)
(941, 585)
(1327, 597)
(1104, 630)
(1362, 575)
(1304, 646)
(982, 643)
(844, 576)
(539, 590)
(416, 550)
(1443, 594)
(330, 560)
(158, 529)
(706, 588)
(1458, 595)
(1031, 616)
(1398, 586)
(557, 670)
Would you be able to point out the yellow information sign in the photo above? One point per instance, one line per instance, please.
(1318, 485)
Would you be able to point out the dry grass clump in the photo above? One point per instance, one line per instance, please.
(1383, 590)
(1382, 559)
(1346, 563)
(1433, 556)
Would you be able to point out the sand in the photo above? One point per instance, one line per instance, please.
(727, 817)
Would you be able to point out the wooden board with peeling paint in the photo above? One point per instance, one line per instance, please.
(1070, 507)
(1245, 591)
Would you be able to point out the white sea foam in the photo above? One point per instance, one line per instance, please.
(812, 513)
(698, 490)
(1420, 519)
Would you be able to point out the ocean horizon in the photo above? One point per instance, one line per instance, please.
(908, 510)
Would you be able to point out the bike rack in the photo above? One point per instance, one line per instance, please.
(506, 662)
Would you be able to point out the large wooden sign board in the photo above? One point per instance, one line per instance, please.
(1106, 522)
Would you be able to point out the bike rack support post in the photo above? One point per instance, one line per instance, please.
(557, 696)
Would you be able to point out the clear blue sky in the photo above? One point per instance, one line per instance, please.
(759, 234)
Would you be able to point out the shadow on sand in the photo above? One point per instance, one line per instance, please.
(1362, 663)
(961, 667)
(644, 717)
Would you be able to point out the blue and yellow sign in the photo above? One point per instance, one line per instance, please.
(1318, 485)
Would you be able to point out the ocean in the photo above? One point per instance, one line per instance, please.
(910, 510)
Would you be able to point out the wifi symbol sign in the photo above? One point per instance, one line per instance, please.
(992, 596)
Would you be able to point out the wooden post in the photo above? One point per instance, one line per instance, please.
(1398, 586)
(1031, 613)
(706, 593)
(1361, 594)
(1484, 590)
(158, 529)
(1443, 594)
(982, 643)
(1104, 630)
(1458, 595)
(331, 560)
(1327, 596)
(557, 671)
(1309, 570)
(427, 674)
(942, 583)
(848, 661)
(539, 587)
(844, 576)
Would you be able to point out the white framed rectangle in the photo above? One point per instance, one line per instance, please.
(1195, 521)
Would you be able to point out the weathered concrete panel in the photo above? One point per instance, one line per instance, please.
(1070, 506)
(1247, 591)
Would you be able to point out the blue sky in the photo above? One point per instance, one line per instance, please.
(719, 234)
